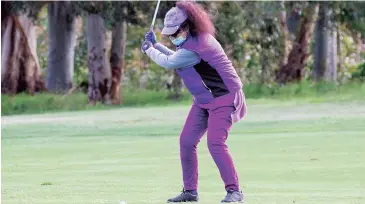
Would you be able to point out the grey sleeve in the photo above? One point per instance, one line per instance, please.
(179, 59)
(163, 49)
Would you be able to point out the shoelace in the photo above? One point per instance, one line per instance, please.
(183, 192)
(186, 193)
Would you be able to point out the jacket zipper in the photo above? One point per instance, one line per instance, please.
(206, 87)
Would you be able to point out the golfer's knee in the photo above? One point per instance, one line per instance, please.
(187, 143)
(216, 147)
(217, 143)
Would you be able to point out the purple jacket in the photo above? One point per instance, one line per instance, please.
(214, 75)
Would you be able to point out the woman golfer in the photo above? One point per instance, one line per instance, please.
(218, 100)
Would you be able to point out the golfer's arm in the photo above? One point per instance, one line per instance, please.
(163, 49)
(180, 59)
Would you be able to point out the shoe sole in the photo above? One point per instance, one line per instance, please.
(183, 202)
(233, 202)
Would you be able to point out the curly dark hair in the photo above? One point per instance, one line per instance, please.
(198, 19)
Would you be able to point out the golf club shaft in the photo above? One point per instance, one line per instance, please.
(154, 16)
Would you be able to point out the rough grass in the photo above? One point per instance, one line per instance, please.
(285, 152)
(42, 103)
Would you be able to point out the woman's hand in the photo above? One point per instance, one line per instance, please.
(145, 45)
(151, 36)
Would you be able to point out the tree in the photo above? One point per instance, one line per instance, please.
(327, 36)
(230, 21)
(352, 16)
(124, 13)
(285, 35)
(62, 41)
(289, 27)
(99, 67)
(99, 82)
(293, 71)
(117, 59)
(264, 37)
(104, 82)
(325, 47)
(251, 35)
(19, 61)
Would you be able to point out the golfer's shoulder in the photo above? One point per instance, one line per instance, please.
(206, 39)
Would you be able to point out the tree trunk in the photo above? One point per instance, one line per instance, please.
(117, 59)
(99, 67)
(330, 73)
(339, 53)
(19, 61)
(321, 43)
(61, 51)
(293, 21)
(285, 36)
(325, 47)
(358, 42)
(294, 69)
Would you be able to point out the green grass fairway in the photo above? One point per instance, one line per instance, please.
(285, 153)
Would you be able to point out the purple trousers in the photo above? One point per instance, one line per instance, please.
(216, 118)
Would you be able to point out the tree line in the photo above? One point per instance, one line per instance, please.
(268, 42)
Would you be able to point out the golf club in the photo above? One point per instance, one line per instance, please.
(154, 16)
(153, 22)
